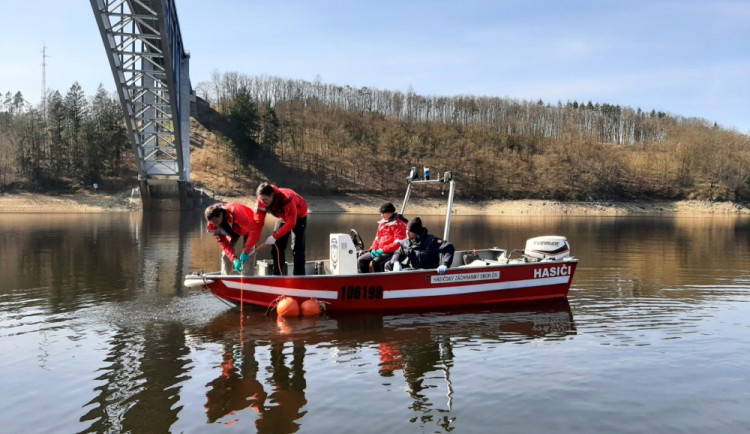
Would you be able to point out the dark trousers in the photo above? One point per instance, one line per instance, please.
(378, 262)
(298, 248)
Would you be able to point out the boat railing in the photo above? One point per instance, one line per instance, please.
(414, 180)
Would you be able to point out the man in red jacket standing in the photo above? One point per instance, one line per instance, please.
(290, 210)
(228, 222)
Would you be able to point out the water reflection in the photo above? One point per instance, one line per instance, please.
(414, 347)
(97, 330)
(139, 382)
(72, 260)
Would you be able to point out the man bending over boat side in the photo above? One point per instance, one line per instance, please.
(421, 250)
(391, 230)
(228, 222)
(290, 210)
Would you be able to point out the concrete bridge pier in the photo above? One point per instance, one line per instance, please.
(169, 195)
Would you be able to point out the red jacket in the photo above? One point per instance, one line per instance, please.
(389, 234)
(242, 221)
(286, 206)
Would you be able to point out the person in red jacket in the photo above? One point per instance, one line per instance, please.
(290, 210)
(391, 230)
(228, 222)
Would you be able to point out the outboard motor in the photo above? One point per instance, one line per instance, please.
(547, 248)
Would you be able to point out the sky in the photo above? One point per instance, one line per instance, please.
(689, 58)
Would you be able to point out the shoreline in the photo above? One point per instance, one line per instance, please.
(89, 202)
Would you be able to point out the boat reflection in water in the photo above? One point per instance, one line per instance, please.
(238, 386)
(262, 367)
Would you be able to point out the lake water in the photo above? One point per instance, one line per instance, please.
(98, 335)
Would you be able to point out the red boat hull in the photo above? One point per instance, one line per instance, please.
(407, 290)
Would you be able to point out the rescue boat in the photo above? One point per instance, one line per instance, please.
(542, 270)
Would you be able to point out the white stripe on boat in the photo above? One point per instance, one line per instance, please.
(468, 289)
(317, 293)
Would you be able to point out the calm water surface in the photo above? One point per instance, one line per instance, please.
(98, 335)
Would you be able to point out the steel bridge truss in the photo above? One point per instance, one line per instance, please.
(144, 46)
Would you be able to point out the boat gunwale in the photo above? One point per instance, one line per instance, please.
(427, 271)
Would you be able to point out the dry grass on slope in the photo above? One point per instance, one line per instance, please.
(214, 166)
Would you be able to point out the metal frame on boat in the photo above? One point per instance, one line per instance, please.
(543, 270)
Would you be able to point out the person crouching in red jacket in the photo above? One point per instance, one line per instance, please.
(228, 222)
(290, 210)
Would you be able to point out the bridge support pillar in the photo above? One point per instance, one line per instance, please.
(168, 195)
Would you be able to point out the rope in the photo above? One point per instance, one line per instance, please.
(278, 256)
(242, 306)
(272, 305)
(224, 301)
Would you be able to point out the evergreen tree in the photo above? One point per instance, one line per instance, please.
(6, 103)
(56, 132)
(16, 105)
(244, 122)
(269, 135)
(35, 138)
(75, 110)
(109, 130)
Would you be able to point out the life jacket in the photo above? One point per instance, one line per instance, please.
(239, 220)
(390, 233)
(287, 206)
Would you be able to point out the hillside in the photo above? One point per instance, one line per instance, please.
(323, 150)
(338, 141)
(216, 167)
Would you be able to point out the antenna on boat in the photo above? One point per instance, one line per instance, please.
(413, 179)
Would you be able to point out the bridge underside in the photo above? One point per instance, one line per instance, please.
(151, 70)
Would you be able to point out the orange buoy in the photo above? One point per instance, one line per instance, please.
(310, 307)
(287, 307)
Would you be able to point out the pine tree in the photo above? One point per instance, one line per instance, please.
(244, 121)
(75, 110)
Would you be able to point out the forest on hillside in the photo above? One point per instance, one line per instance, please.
(67, 142)
(329, 139)
(343, 139)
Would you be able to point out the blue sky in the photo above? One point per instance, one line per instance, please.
(685, 57)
